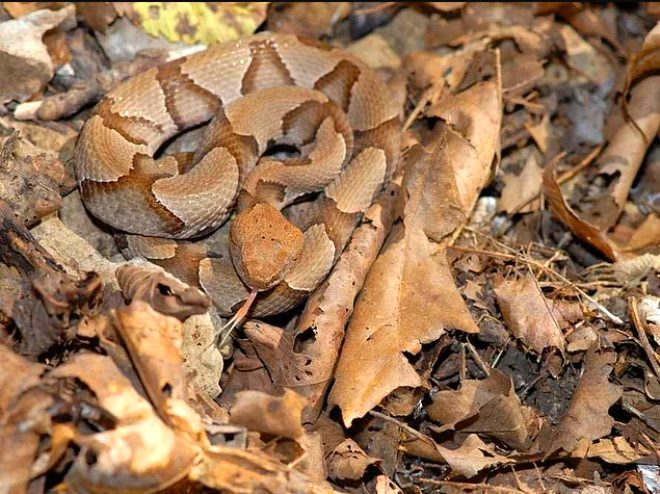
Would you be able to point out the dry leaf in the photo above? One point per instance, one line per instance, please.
(519, 190)
(153, 456)
(273, 415)
(490, 407)
(468, 459)
(348, 461)
(587, 418)
(561, 209)
(409, 297)
(528, 314)
(617, 451)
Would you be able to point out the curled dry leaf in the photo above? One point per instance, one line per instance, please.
(490, 407)
(563, 211)
(348, 461)
(409, 297)
(647, 60)
(528, 314)
(152, 455)
(625, 153)
(587, 418)
(468, 459)
(154, 344)
(140, 280)
(272, 415)
(26, 64)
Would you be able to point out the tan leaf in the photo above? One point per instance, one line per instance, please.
(587, 418)
(468, 459)
(349, 461)
(647, 60)
(409, 297)
(563, 211)
(491, 405)
(628, 146)
(617, 451)
(274, 415)
(528, 314)
(519, 190)
(152, 455)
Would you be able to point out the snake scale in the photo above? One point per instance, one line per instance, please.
(259, 92)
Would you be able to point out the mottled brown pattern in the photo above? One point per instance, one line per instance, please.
(139, 184)
(380, 137)
(127, 127)
(338, 84)
(304, 121)
(148, 109)
(221, 133)
(264, 58)
(180, 91)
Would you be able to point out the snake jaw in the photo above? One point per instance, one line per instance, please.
(263, 246)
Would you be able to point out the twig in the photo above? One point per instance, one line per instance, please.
(566, 176)
(402, 425)
(640, 325)
(473, 351)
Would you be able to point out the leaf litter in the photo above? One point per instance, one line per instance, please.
(493, 325)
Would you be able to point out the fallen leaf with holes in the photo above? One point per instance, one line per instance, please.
(490, 407)
(587, 418)
(528, 314)
(140, 434)
(272, 415)
(409, 297)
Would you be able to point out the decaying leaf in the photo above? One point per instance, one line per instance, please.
(468, 459)
(199, 22)
(528, 314)
(390, 320)
(490, 407)
(520, 190)
(165, 293)
(154, 455)
(348, 461)
(272, 415)
(587, 418)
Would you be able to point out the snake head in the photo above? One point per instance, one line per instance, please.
(263, 245)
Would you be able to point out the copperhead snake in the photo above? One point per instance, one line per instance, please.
(265, 90)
